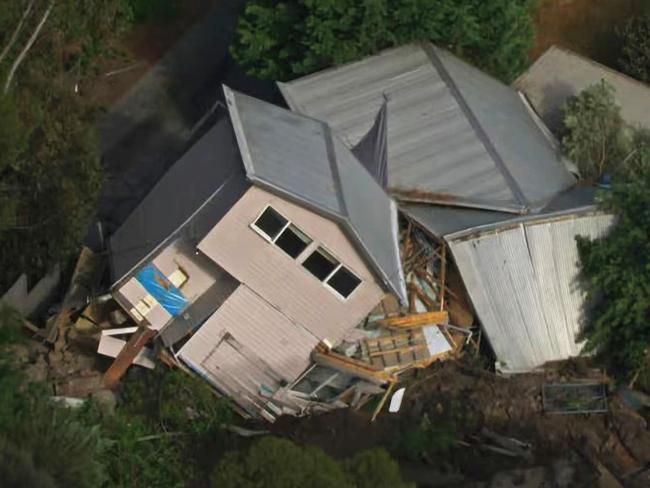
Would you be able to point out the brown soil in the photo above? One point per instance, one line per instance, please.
(585, 26)
(130, 58)
(471, 398)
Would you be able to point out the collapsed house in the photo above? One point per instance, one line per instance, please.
(472, 164)
(258, 252)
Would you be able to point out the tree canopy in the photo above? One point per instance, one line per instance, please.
(281, 40)
(50, 174)
(597, 139)
(272, 462)
(635, 50)
(616, 273)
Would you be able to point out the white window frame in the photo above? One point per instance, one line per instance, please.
(263, 234)
(324, 282)
(289, 223)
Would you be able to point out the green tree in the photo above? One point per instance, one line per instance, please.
(375, 468)
(282, 40)
(637, 149)
(592, 125)
(635, 50)
(50, 176)
(616, 274)
(278, 463)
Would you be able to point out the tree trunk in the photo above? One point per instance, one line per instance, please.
(14, 35)
(27, 47)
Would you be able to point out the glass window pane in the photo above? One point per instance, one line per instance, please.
(270, 222)
(292, 241)
(344, 282)
(320, 263)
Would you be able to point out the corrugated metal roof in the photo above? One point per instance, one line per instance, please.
(455, 135)
(188, 201)
(559, 74)
(300, 158)
(522, 280)
(452, 221)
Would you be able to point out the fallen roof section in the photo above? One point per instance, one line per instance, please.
(559, 74)
(455, 135)
(522, 277)
(301, 159)
(442, 221)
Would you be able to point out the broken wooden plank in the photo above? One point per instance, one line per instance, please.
(126, 356)
(351, 366)
(415, 320)
(381, 403)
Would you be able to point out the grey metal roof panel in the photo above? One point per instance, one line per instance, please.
(559, 74)
(522, 284)
(371, 150)
(529, 158)
(372, 216)
(446, 136)
(301, 158)
(442, 220)
(289, 151)
(189, 199)
(452, 222)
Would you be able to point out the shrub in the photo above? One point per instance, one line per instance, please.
(635, 51)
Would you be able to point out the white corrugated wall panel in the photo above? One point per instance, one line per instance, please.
(523, 283)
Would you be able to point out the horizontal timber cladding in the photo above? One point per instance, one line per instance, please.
(271, 344)
(282, 280)
(523, 282)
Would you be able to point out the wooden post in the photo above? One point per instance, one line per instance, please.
(389, 390)
(126, 356)
(443, 275)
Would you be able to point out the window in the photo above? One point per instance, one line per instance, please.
(275, 228)
(344, 282)
(327, 269)
(270, 223)
(292, 241)
(320, 263)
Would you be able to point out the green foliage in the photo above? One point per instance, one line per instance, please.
(272, 462)
(40, 442)
(616, 273)
(593, 124)
(283, 40)
(167, 423)
(597, 139)
(50, 175)
(635, 52)
(143, 10)
(374, 468)
(637, 150)
(278, 463)
(420, 443)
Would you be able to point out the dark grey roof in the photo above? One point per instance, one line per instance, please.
(372, 149)
(444, 221)
(300, 158)
(455, 135)
(188, 201)
(559, 74)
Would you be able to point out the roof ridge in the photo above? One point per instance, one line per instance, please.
(476, 125)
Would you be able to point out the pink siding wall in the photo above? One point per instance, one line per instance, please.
(282, 281)
(266, 334)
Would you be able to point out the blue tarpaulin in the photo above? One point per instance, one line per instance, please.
(163, 290)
